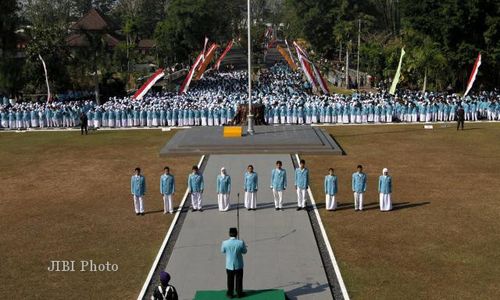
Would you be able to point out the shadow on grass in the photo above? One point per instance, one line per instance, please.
(404, 205)
(384, 132)
(153, 212)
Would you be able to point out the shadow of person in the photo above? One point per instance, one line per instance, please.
(404, 205)
(306, 289)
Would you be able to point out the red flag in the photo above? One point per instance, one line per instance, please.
(149, 84)
(208, 58)
(473, 75)
(228, 47)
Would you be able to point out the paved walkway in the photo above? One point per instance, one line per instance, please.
(282, 251)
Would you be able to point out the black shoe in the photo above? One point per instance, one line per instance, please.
(276, 208)
(136, 214)
(299, 208)
(192, 209)
(142, 214)
(241, 295)
(200, 210)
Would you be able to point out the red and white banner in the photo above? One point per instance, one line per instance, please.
(149, 84)
(189, 77)
(209, 55)
(473, 75)
(304, 63)
(310, 70)
(228, 47)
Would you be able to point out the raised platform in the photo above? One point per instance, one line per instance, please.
(250, 295)
(267, 139)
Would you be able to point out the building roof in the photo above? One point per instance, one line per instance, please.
(94, 20)
(80, 40)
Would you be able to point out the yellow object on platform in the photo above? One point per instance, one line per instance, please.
(232, 131)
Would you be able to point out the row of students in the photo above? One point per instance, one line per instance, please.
(278, 185)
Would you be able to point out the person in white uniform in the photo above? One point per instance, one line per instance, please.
(223, 189)
(195, 187)
(278, 185)
(167, 190)
(359, 188)
(250, 187)
(138, 189)
(301, 184)
(385, 190)
(331, 189)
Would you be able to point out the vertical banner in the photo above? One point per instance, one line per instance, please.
(149, 84)
(288, 59)
(395, 81)
(473, 75)
(304, 63)
(228, 47)
(208, 58)
(189, 77)
(49, 96)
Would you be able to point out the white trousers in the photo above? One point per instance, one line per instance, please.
(139, 204)
(278, 198)
(167, 203)
(331, 204)
(301, 197)
(223, 200)
(251, 200)
(196, 200)
(385, 202)
(358, 201)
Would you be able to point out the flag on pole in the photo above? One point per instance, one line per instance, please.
(288, 59)
(189, 77)
(228, 47)
(208, 58)
(473, 75)
(312, 73)
(395, 81)
(149, 84)
(305, 65)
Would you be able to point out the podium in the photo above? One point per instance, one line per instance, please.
(232, 131)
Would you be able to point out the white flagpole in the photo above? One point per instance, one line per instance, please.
(46, 78)
(250, 129)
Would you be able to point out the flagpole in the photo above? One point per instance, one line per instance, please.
(359, 44)
(250, 129)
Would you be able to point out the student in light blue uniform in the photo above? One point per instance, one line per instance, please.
(331, 189)
(359, 188)
(278, 184)
(234, 249)
(196, 187)
(301, 184)
(223, 190)
(250, 186)
(138, 189)
(167, 190)
(385, 190)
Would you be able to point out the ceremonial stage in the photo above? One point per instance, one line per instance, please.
(267, 139)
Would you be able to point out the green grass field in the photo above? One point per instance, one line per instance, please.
(66, 197)
(442, 241)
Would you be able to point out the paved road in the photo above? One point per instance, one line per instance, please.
(282, 251)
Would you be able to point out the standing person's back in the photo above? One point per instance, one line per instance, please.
(165, 291)
(234, 249)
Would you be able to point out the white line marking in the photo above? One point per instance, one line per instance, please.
(327, 242)
(165, 240)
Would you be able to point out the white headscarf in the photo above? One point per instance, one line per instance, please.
(223, 171)
(385, 170)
